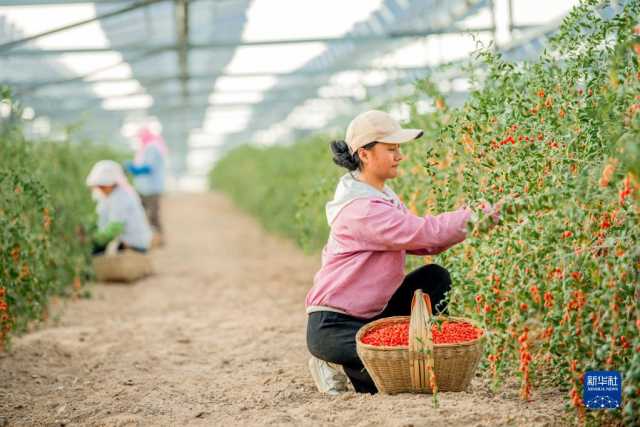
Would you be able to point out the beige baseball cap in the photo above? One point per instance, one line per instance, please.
(375, 125)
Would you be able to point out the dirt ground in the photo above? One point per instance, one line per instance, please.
(215, 337)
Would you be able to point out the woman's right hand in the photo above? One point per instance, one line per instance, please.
(491, 210)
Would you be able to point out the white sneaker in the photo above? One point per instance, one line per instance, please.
(329, 377)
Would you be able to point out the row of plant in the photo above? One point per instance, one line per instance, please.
(556, 140)
(284, 187)
(46, 212)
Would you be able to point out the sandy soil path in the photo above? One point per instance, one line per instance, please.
(216, 337)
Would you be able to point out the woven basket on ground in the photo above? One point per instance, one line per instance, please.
(406, 369)
(126, 266)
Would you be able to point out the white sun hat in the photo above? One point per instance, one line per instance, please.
(105, 173)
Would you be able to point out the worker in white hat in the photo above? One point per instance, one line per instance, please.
(362, 274)
(120, 213)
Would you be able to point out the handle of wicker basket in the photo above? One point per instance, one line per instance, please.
(421, 364)
(112, 247)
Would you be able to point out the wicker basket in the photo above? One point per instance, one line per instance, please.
(406, 368)
(126, 266)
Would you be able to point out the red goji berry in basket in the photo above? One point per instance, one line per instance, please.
(397, 334)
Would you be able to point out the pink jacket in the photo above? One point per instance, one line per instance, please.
(371, 232)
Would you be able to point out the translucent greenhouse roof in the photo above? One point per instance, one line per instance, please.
(214, 74)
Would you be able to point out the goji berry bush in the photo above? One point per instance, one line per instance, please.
(556, 142)
(46, 214)
(557, 281)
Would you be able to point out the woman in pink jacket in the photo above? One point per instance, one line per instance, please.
(362, 274)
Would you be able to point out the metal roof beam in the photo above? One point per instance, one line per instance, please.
(233, 44)
(57, 112)
(149, 81)
(182, 26)
(31, 86)
(34, 99)
(10, 3)
(5, 47)
(187, 106)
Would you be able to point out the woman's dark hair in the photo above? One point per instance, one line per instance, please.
(342, 157)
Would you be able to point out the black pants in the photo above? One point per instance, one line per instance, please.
(332, 336)
(100, 249)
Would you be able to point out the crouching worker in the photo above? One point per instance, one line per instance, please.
(362, 278)
(120, 213)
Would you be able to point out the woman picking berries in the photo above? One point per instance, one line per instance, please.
(362, 274)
